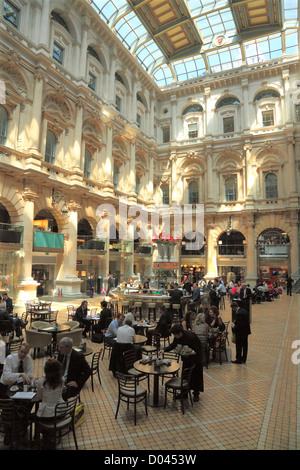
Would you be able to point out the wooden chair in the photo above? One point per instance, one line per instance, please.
(114, 307)
(125, 307)
(63, 423)
(95, 367)
(14, 345)
(138, 309)
(51, 317)
(180, 387)
(152, 311)
(130, 357)
(176, 313)
(130, 392)
(219, 345)
(71, 311)
(107, 347)
(155, 346)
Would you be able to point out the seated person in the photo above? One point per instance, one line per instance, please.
(124, 342)
(187, 322)
(17, 368)
(213, 318)
(49, 389)
(81, 317)
(200, 327)
(105, 317)
(112, 329)
(76, 370)
(164, 322)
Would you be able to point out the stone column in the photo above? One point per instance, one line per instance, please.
(67, 279)
(45, 23)
(27, 285)
(113, 56)
(36, 115)
(132, 174)
(292, 169)
(174, 117)
(208, 112)
(108, 164)
(294, 251)
(83, 47)
(210, 184)
(251, 276)
(173, 160)
(77, 171)
(211, 268)
(245, 121)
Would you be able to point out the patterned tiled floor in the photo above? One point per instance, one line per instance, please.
(244, 407)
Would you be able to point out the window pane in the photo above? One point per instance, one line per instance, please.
(58, 53)
(87, 164)
(11, 13)
(228, 124)
(118, 103)
(50, 147)
(268, 119)
(3, 125)
(165, 194)
(230, 189)
(166, 134)
(193, 131)
(271, 186)
(92, 81)
(193, 193)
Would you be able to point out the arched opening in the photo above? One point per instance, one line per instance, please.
(273, 246)
(231, 244)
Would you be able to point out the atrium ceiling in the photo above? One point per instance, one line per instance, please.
(177, 40)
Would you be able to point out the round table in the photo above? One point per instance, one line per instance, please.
(54, 329)
(85, 352)
(156, 400)
(140, 339)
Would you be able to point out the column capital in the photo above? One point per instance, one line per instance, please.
(73, 206)
(29, 195)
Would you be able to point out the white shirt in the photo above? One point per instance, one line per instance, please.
(10, 373)
(126, 334)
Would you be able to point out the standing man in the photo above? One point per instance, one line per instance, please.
(289, 285)
(110, 284)
(9, 303)
(241, 328)
(76, 370)
(90, 286)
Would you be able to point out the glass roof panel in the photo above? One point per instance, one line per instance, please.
(212, 18)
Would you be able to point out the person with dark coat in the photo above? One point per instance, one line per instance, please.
(164, 322)
(196, 296)
(81, 317)
(9, 302)
(189, 338)
(176, 295)
(90, 286)
(76, 370)
(245, 292)
(214, 299)
(110, 284)
(242, 330)
(105, 317)
(289, 285)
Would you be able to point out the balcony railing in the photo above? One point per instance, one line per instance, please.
(273, 251)
(231, 250)
(88, 242)
(48, 241)
(11, 234)
(123, 246)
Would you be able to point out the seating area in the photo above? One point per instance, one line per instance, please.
(268, 418)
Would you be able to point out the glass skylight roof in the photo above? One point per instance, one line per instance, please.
(213, 18)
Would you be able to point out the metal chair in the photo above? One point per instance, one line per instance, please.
(11, 424)
(107, 347)
(176, 313)
(14, 345)
(114, 306)
(138, 309)
(125, 307)
(95, 367)
(130, 392)
(130, 357)
(181, 386)
(219, 345)
(155, 346)
(62, 424)
(152, 311)
(51, 317)
(71, 311)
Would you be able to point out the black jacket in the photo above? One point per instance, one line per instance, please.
(176, 296)
(79, 370)
(241, 324)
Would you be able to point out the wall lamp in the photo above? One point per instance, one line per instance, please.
(57, 197)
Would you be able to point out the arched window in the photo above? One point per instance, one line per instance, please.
(140, 99)
(230, 189)
(165, 194)
(193, 192)
(50, 147)
(192, 108)
(3, 124)
(137, 184)
(228, 101)
(119, 78)
(93, 53)
(271, 186)
(266, 94)
(231, 244)
(57, 17)
(116, 176)
(87, 164)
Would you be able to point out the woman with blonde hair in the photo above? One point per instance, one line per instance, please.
(201, 327)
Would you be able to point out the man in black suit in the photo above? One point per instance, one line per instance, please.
(9, 302)
(245, 292)
(241, 328)
(214, 299)
(196, 296)
(105, 317)
(81, 317)
(110, 284)
(76, 370)
(90, 286)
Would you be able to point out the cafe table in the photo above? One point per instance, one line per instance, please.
(140, 339)
(150, 368)
(54, 329)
